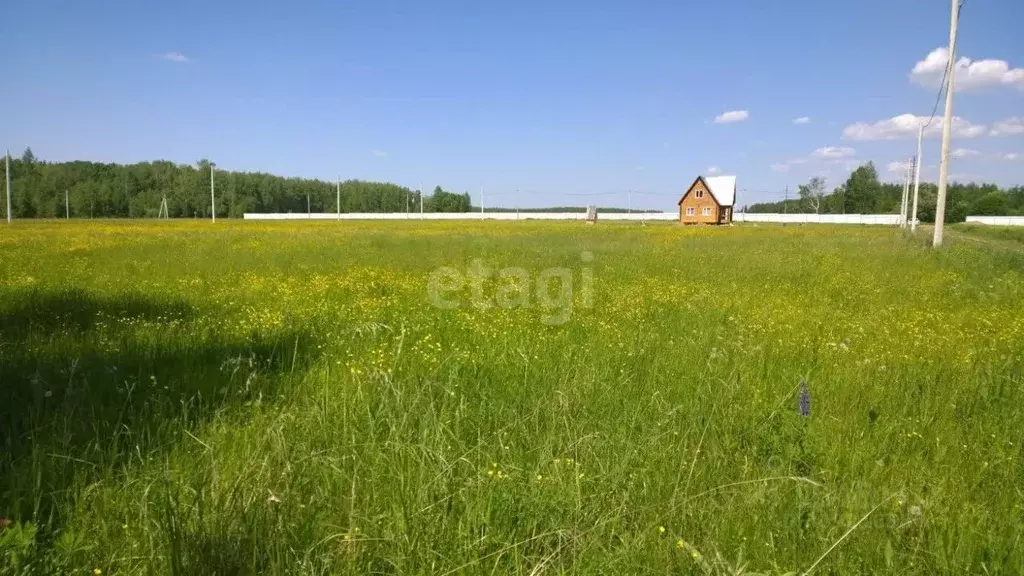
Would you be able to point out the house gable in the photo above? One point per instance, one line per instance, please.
(699, 184)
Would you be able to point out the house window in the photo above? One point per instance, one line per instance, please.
(690, 211)
(707, 211)
(700, 193)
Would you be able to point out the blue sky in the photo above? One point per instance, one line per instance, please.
(555, 99)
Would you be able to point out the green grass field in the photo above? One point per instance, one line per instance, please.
(284, 398)
(1005, 234)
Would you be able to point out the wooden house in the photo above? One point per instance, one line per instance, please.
(709, 200)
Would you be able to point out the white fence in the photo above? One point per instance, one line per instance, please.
(886, 219)
(997, 220)
(467, 216)
(883, 219)
(877, 219)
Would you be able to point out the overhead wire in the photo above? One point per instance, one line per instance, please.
(950, 65)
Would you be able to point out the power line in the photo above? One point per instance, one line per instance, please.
(945, 73)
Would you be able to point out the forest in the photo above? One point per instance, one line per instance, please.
(96, 190)
(863, 193)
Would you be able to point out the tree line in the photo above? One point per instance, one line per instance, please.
(96, 190)
(863, 193)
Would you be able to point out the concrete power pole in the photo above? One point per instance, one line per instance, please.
(7, 170)
(339, 197)
(421, 200)
(940, 201)
(481, 199)
(904, 200)
(67, 206)
(917, 179)
(213, 201)
(785, 203)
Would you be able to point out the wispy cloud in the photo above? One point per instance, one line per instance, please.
(833, 153)
(712, 170)
(964, 153)
(905, 126)
(825, 155)
(174, 57)
(802, 120)
(732, 116)
(1008, 127)
(379, 153)
(899, 167)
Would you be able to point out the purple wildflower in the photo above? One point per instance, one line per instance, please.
(805, 399)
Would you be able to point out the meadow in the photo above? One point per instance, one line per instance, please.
(289, 398)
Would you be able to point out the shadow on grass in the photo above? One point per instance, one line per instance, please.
(89, 382)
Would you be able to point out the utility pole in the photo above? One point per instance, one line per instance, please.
(7, 170)
(917, 178)
(213, 201)
(905, 197)
(481, 199)
(67, 207)
(339, 197)
(629, 203)
(785, 204)
(421, 200)
(940, 201)
(309, 213)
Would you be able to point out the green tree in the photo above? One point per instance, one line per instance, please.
(991, 204)
(812, 194)
(862, 190)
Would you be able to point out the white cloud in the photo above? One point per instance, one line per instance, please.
(1012, 157)
(828, 154)
(906, 126)
(379, 153)
(174, 57)
(1008, 127)
(964, 153)
(713, 170)
(732, 116)
(802, 120)
(970, 74)
(898, 167)
(833, 153)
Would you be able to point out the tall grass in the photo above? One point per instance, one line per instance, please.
(179, 398)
